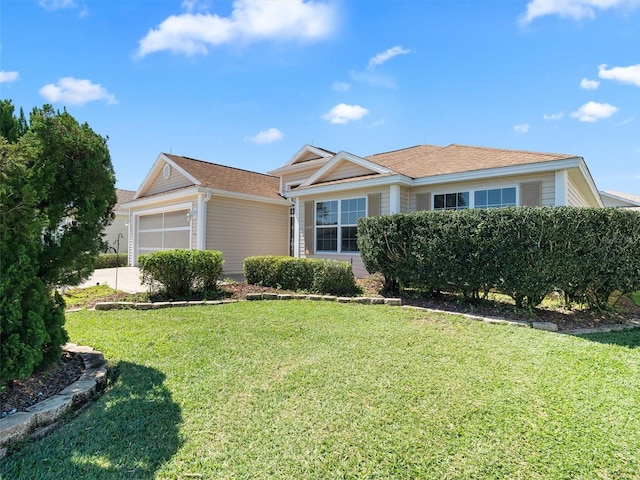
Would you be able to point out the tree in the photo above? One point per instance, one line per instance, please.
(56, 195)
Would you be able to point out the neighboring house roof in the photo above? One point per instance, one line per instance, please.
(429, 160)
(123, 196)
(621, 199)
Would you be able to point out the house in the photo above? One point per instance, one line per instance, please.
(615, 199)
(116, 234)
(309, 207)
(188, 203)
(331, 190)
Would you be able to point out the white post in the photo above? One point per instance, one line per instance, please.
(562, 188)
(394, 199)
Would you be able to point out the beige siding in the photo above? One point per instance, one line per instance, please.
(110, 234)
(243, 228)
(175, 180)
(404, 199)
(574, 198)
(548, 187)
(346, 170)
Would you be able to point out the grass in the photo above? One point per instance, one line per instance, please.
(327, 390)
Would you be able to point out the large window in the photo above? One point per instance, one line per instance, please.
(336, 224)
(492, 198)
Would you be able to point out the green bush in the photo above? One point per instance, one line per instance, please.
(182, 272)
(308, 274)
(110, 260)
(524, 252)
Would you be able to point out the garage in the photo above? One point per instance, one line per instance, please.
(162, 231)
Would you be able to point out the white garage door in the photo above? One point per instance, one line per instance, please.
(162, 231)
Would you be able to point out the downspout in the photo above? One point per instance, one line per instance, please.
(203, 198)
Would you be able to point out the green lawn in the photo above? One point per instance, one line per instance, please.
(325, 390)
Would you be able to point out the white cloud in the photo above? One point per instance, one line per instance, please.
(343, 113)
(74, 91)
(250, 21)
(266, 136)
(593, 111)
(340, 86)
(553, 116)
(629, 74)
(387, 55)
(589, 84)
(8, 77)
(523, 128)
(57, 4)
(575, 9)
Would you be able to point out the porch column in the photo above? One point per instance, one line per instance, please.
(562, 188)
(394, 199)
(296, 227)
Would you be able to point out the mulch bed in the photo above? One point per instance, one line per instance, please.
(22, 394)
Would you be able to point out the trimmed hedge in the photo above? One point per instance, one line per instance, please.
(329, 277)
(524, 252)
(110, 260)
(182, 272)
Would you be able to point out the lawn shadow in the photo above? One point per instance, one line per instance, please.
(625, 338)
(130, 432)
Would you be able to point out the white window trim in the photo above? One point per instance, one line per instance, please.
(338, 226)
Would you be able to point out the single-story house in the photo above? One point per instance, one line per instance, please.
(615, 199)
(309, 207)
(188, 203)
(116, 235)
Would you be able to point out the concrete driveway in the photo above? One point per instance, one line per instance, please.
(126, 279)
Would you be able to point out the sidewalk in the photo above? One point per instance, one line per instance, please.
(126, 279)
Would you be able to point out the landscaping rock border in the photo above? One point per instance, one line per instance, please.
(42, 417)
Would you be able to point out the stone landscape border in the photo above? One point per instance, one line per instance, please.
(42, 417)
(39, 419)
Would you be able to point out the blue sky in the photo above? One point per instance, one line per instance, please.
(248, 83)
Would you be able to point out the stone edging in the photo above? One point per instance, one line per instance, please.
(547, 326)
(40, 418)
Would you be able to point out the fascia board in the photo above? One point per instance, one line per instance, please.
(590, 182)
(620, 198)
(345, 156)
(155, 171)
(244, 196)
(353, 185)
(162, 197)
(550, 166)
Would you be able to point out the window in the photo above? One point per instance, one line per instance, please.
(451, 201)
(336, 224)
(494, 198)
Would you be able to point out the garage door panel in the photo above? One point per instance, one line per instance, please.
(176, 239)
(176, 219)
(150, 239)
(151, 221)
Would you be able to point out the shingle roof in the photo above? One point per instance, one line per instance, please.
(429, 160)
(123, 196)
(230, 179)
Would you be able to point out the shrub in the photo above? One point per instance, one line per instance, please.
(182, 272)
(309, 274)
(111, 260)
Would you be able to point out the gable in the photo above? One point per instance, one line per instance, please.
(345, 166)
(174, 181)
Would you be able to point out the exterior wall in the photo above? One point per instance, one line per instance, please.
(175, 180)
(243, 228)
(352, 257)
(110, 234)
(574, 198)
(346, 170)
(548, 187)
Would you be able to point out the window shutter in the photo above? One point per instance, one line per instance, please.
(423, 201)
(309, 238)
(373, 202)
(531, 194)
